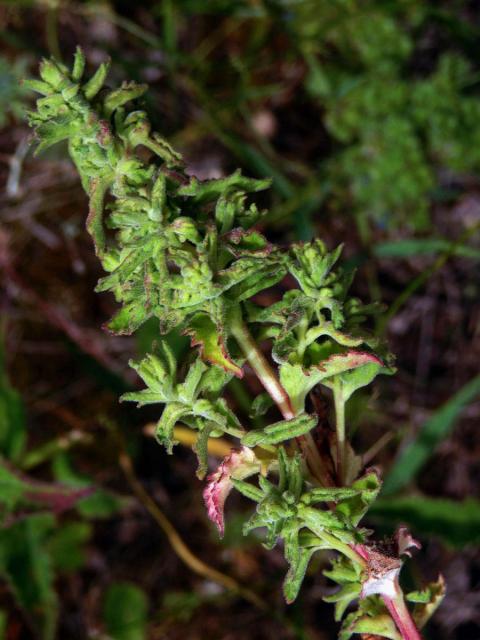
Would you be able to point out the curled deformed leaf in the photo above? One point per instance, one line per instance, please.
(280, 431)
(238, 465)
(377, 625)
(427, 601)
(212, 343)
(296, 574)
(353, 368)
(405, 541)
(96, 82)
(208, 190)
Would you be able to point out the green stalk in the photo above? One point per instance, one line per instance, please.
(340, 429)
(268, 378)
(262, 368)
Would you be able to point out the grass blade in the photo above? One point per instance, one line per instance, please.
(436, 429)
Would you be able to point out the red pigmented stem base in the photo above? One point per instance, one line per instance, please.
(401, 616)
(270, 381)
(262, 368)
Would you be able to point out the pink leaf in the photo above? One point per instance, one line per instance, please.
(342, 362)
(239, 464)
(212, 342)
(405, 541)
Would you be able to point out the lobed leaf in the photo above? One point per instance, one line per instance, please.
(280, 431)
(206, 335)
(238, 465)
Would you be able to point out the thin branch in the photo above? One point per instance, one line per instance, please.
(340, 430)
(376, 447)
(218, 447)
(270, 381)
(401, 616)
(262, 368)
(177, 543)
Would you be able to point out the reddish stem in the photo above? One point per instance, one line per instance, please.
(268, 378)
(401, 616)
(262, 369)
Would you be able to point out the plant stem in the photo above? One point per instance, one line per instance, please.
(340, 429)
(263, 370)
(314, 460)
(178, 545)
(218, 447)
(268, 378)
(401, 616)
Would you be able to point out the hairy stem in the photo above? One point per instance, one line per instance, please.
(401, 615)
(340, 429)
(262, 368)
(270, 381)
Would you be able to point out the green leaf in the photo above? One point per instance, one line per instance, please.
(343, 571)
(354, 508)
(125, 611)
(130, 263)
(97, 190)
(26, 565)
(207, 410)
(434, 431)
(356, 378)
(38, 86)
(354, 369)
(158, 373)
(171, 414)
(117, 98)
(12, 417)
(96, 82)
(78, 65)
(457, 524)
(52, 72)
(130, 317)
(260, 405)
(318, 521)
(343, 597)
(248, 275)
(188, 390)
(379, 625)
(66, 546)
(329, 495)
(208, 190)
(427, 601)
(211, 341)
(280, 431)
(201, 449)
(296, 574)
(411, 247)
(248, 490)
(312, 265)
